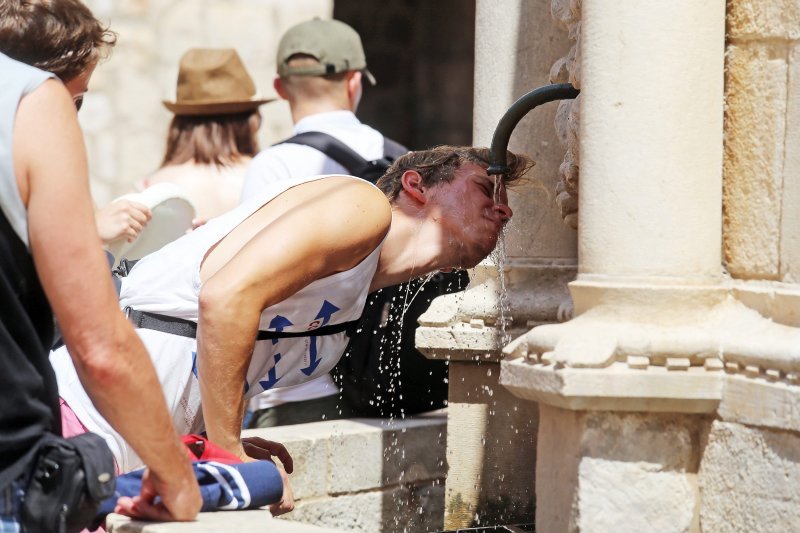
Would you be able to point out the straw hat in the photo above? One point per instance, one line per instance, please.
(213, 81)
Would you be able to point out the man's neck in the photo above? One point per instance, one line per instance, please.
(309, 108)
(413, 248)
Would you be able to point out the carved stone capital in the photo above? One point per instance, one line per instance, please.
(657, 348)
(662, 326)
(617, 387)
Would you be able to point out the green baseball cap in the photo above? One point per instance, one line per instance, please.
(333, 43)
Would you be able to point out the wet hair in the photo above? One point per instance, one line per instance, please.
(438, 165)
(212, 139)
(58, 36)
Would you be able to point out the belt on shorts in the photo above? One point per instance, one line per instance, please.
(187, 328)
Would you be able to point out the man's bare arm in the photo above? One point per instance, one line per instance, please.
(114, 368)
(326, 232)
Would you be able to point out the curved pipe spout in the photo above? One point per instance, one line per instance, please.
(520, 108)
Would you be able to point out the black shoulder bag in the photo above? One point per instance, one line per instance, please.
(70, 479)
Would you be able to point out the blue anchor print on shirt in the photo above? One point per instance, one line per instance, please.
(278, 323)
(272, 377)
(314, 362)
(325, 313)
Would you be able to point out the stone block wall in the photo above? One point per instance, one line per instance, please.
(762, 129)
(367, 475)
(750, 479)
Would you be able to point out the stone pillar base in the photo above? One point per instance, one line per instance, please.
(607, 471)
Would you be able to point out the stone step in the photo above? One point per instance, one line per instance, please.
(255, 520)
(365, 475)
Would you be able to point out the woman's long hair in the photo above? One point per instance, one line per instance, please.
(212, 139)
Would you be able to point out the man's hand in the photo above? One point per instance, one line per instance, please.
(196, 223)
(262, 449)
(179, 499)
(287, 500)
(258, 448)
(121, 219)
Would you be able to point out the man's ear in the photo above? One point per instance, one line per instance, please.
(278, 85)
(413, 186)
(354, 89)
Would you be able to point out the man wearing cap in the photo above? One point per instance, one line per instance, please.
(321, 67)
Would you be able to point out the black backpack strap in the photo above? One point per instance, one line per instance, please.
(187, 328)
(124, 268)
(333, 148)
(393, 149)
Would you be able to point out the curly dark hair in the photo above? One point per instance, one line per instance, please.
(58, 36)
(439, 164)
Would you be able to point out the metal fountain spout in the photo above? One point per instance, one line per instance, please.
(520, 108)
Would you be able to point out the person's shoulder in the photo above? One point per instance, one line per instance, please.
(45, 110)
(49, 93)
(282, 149)
(353, 212)
(285, 161)
(277, 153)
(360, 197)
(354, 184)
(344, 193)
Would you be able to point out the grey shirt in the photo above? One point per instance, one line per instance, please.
(16, 81)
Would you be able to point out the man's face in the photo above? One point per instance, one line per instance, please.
(472, 211)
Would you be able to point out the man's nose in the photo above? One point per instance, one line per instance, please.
(505, 212)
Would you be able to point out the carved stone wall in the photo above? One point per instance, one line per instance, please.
(567, 70)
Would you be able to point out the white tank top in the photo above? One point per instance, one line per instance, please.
(168, 282)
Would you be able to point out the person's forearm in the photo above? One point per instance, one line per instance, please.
(225, 338)
(126, 391)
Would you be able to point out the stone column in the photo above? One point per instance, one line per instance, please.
(651, 142)
(491, 434)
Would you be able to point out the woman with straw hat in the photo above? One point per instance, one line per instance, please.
(212, 136)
